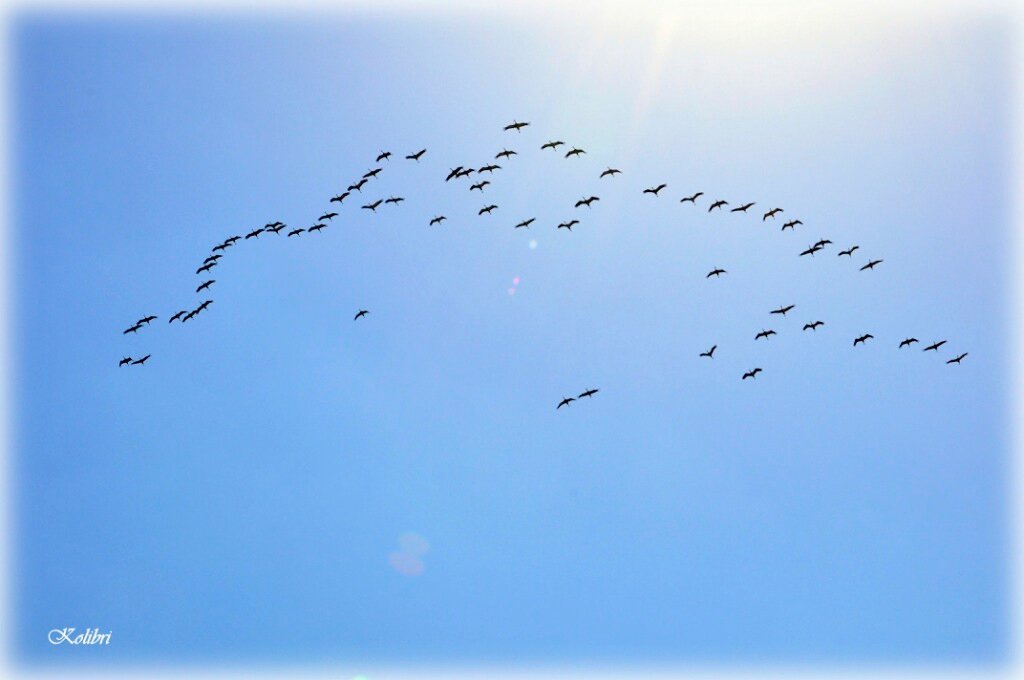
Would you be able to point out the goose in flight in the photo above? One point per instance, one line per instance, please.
(487, 209)
(715, 272)
(692, 199)
(710, 354)
(295, 232)
(813, 326)
(139, 362)
(587, 201)
(565, 402)
(489, 168)
(124, 362)
(718, 204)
(525, 223)
(655, 190)
(751, 374)
(437, 220)
(372, 173)
(848, 251)
(505, 153)
(907, 342)
(790, 224)
(743, 208)
(479, 186)
(551, 145)
(610, 172)
(765, 334)
(205, 284)
(340, 198)
(958, 359)
(863, 338)
(574, 152)
(782, 310)
(373, 206)
(177, 315)
(328, 216)
(383, 156)
(361, 314)
(568, 225)
(771, 213)
(358, 186)
(934, 347)
(589, 393)
(514, 125)
(416, 156)
(395, 200)
(871, 264)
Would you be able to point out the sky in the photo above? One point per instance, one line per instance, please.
(282, 484)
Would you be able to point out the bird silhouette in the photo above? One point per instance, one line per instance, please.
(489, 168)
(505, 153)
(568, 225)
(453, 173)
(232, 239)
(211, 258)
(189, 316)
(416, 156)
(177, 315)
(587, 201)
(372, 173)
(743, 208)
(395, 200)
(813, 326)
(782, 310)
(139, 362)
(316, 227)
(487, 209)
(610, 172)
(465, 172)
(765, 334)
(715, 272)
(222, 246)
(255, 233)
(383, 156)
(276, 228)
(328, 216)
(358, 186)
(811, 250)
(848, 251)
(863, 338)
(525, 223)
(790, 224)
(373, 206)
(771, 213)
(134, 328)
(205, 284)
(124, 362)
(907, 342)
(361, 314)
(206, 303)
(551, 145)
(717, 204)
(710, 354)
(437, 220)
(340, 198)
(751, 374)
(516, 126)
(574, 152)
(692, 199)
(654, 190)
(934, 347)
(822, 243)
(206, 267)
(589, 393)
(146, 319)
(871, 264)
(295, 232)
(565, 402)
(957, 360)
(479, 186)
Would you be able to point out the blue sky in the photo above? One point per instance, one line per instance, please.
(237, 498)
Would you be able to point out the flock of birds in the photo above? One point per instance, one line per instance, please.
(218, 251)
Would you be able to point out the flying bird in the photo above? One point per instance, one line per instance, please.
(516, 126)
(358, 186)
(489, 168)
(505, 153)
(871, 264)
(328, 216)
(692, 199)
(479, 186)
(465, 172)
(146, 319)
(863, 338)
(790, 224)
(139, 362)
(372, 173)
(589, 393)
(373, 206)
(765, 334)
(203, 306)
(437, 220)
(813, 326)
(958, 359)
(811, 250)
(935, 346)
(316, 227)
(395, 199)
(551, 145)
(206, 267)
(525, 223)
(771, 213)
(907, 342)
(751, 374)
(610, 172)
(487, 209)
(743, 208)
(255, 233)
(340, 198)
(124, 362)
(383, 156)
(276, 228)
(848, 251)
(710, 354)
(565, 402)
(715, 272)
(295, 232)
(822, 243)
(717, 204)
(655, 190)
(206, 284)
(453, 173)
(782, 310)
(232, 239)
(574, 152)
(416, 156)
(360, 314)
(587, 201)
(568, 225)
(189, 315)
(211, 258)
(177, 315)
